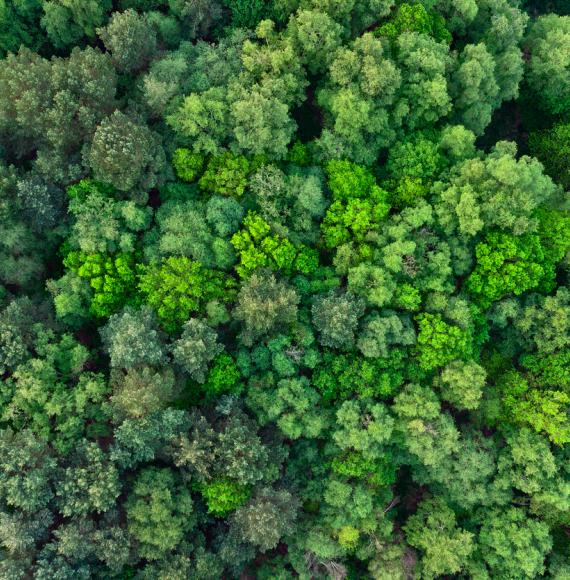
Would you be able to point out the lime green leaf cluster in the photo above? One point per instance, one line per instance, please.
(112, 278)
(508, 264)
(224, 496)
(227, 174)
(177, 287)
(379, 471)
(543, 409)
(187, 164)
(223, 377)
(439, 343)
(359, 204)
(415, 18)
(256, 248)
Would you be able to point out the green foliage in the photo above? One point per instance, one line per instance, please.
(19, 25)
(547, 73)
(27, 470)
(226, 175)
(439, 343)
(274, 302)
(462, 383)
(68, 21)
(89, 484)
(223, 376)
(188, 165)
(141, 391)
(415, 18)
(552, 147)
(266, 518)
(111, 278)
(130, 39)
(291, 403)
(445, 547)
(53, 397)
(543, 409)
(336, 316)
(264, 305)
(125, 154)
(195, 348)
(514, 544)
(245, 14)
(131, 338)
(509, 265)
(496, 191)
(256, 248)
(342, 376)
(178, 287)
(224, 496)
(159, 512)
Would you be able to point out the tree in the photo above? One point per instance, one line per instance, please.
(111, 279)
(429, 436)
(544, 321)
(256, 248)
(547, 73)
(67, 22)
(89, 484)
(461, 383)
(159, 512)
(197, 231)
(53, 107)
(292, 403)
(196, 348)
(178, 287)
(439, 343)
(140, 392)
(336, 316)
(496, 191)
(228, 446)
(224, 496)
(363, 427)
(526, 463)
(19, 25)
(266, 518)
(264, 306)
(188, 165)
(51, 395)
(102, 223)
(131, 338)
(125, 154)
(381, 333)
(445, 547)
(508, 265)
(28, 469)
(315, 37)
(130, 39)
(552, 147)
(512, 543)
(476, 88)
(341, 376)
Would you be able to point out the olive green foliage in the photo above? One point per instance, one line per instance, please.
(159, 511)
(284, 289)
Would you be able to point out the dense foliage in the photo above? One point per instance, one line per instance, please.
(284, 289)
